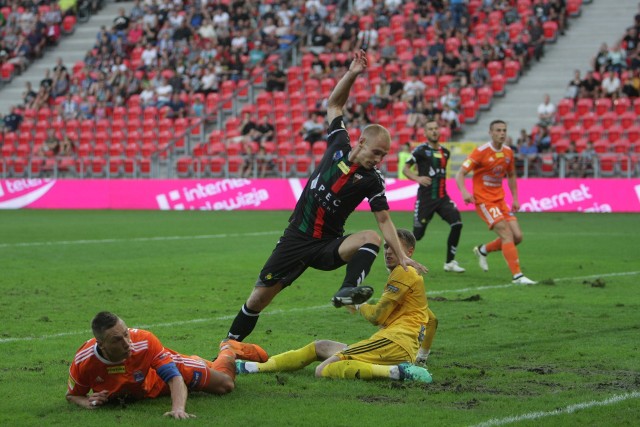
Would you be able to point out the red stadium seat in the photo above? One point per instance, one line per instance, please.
(556, 133)
(470, 112)
(576, 133)
(550, 29)
(603, 105)
(584, 106)
(633, 133)
(512, 70)
(607, 164)
(574, 7)
(622, 146)
(561, 146)
(628, 165)
(595, 133)
(621, 105)
(601, 146)
(627, 119)
(485, 98)
(569, 120)
(614, 133)
(565, 106)
(589, 119)
(497, 84)
(608, 119)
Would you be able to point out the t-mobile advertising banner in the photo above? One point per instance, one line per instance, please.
(536, 195)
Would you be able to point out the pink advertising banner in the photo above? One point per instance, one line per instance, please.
(536, 195)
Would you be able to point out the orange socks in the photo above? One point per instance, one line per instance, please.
(225, 363)
(493, 246)
(510, 254)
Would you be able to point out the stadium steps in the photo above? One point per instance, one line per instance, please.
(71, 49)
(600, 21)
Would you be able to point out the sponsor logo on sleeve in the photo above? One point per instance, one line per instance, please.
(391, 288)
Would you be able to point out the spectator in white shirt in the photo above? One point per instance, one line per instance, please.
(546, 112)
(611, 84)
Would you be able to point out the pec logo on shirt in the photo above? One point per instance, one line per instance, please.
(391, 288)
(116, 370)
(138, 376)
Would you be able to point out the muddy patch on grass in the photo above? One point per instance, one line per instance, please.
(472, 298)
(597, 283)
(469, 404)
(379, 399)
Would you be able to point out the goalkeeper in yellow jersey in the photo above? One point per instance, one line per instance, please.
(407, 328)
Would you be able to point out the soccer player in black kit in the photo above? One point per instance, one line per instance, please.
(315, 235)
(431, 159)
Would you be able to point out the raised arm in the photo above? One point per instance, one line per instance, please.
(338, 98)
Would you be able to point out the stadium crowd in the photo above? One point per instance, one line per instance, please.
(593, 130)
(190, 61)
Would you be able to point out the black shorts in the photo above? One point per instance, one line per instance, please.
(295, 252)
(425, 209)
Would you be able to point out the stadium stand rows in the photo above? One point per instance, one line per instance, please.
(597, 126)
(119, 115)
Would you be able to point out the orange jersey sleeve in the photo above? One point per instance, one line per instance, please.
(133, 377)
(489, 168)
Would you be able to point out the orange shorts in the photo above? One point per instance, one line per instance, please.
(493, 213)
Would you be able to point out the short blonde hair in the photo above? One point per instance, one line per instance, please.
(376, 131)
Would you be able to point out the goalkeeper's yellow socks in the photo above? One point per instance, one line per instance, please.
(353, 369)
(288, 361)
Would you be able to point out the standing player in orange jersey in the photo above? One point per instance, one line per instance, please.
(121, 364)
(491, 163)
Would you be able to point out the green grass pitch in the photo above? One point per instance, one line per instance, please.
(564, 352)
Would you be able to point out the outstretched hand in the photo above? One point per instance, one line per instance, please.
(359, 63)
(179, 415)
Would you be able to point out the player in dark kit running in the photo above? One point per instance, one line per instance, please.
(315, 235)
(431, 159)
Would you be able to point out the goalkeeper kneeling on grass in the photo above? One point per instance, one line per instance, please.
(407, 328)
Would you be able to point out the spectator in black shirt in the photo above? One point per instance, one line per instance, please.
(276, 79)
(12, 120)
(396, 87)
(121, 23)
(590, 86)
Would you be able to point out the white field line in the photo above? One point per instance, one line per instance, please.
(294, 310)
(171, 238)
(137, 239)
(568, 410)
